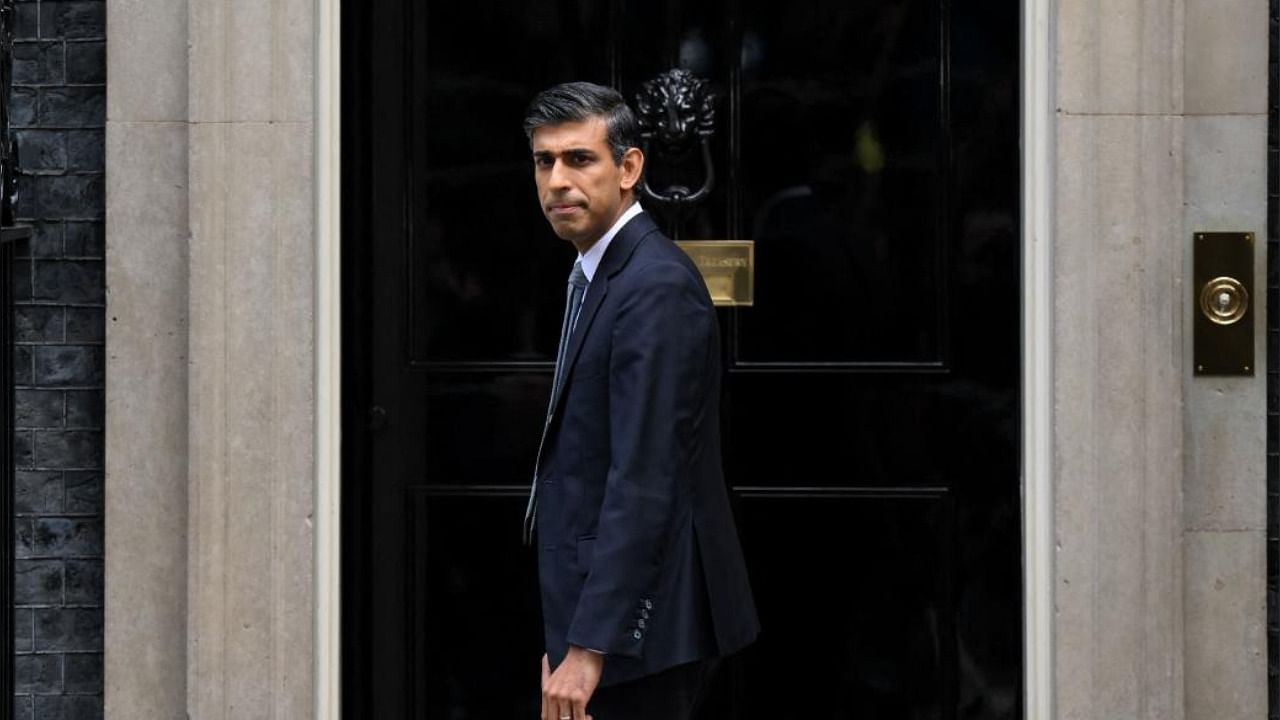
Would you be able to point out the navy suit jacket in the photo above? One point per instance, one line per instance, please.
(638, 555)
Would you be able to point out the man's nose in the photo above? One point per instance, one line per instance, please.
(559, 176)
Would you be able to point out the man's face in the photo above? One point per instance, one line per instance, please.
(581, 190)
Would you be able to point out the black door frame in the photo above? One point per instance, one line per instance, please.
(354, 260)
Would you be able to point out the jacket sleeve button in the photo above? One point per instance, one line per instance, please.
(636, 634)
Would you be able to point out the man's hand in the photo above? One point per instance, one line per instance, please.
(566, 692)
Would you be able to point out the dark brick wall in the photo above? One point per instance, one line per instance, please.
(58, 114)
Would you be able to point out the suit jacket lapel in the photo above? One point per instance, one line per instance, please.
(615, 257)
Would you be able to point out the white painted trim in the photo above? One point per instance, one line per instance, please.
(328, 528)
(1038, 128)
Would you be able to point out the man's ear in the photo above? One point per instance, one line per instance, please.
(632, 167)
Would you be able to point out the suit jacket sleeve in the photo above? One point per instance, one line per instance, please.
(660, 355)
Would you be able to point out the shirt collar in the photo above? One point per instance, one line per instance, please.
(591, 259)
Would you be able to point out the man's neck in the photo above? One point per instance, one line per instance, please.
(582, 249)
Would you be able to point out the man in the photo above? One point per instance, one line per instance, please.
(643, 581)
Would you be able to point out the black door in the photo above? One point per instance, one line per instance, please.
(871, 406)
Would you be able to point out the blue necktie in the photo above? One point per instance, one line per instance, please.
(573, 303)
(577, 288)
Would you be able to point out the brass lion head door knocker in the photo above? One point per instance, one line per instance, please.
(677, 117)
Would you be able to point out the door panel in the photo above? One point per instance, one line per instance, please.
(476, 255)
(470, 650)
(871, 393)
(843, 174)
(863, 580)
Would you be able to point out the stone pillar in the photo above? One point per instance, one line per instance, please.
(252, 430)
(146, 389)
(1160, 506)
(211, 370)
(1118, 360)
(1224, 483)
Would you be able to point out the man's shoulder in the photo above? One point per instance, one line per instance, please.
(660, 271)
(651, 261)
(659, 260)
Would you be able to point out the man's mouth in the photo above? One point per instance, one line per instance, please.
(563, 209)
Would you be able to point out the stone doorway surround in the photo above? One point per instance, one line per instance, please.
(212, 153)
(1144, 488)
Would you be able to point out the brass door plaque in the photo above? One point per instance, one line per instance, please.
(728, 267)
(1223, 304)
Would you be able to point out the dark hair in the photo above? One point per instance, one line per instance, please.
(578, 101)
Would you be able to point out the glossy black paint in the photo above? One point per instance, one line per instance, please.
(871, 400)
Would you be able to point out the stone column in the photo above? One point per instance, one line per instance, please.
(1224, 484)
(1118, 360)
(146, 389)
(211, 369)
(1160, 476)
(252, 430)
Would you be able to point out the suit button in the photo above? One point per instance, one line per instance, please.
(640, 624)
(648, 605)
(637, 634)
(644, 614)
